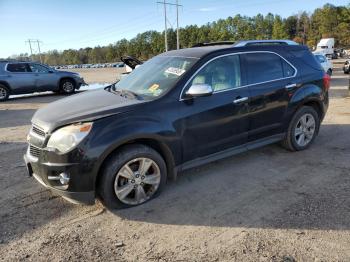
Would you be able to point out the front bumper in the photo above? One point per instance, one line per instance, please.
(42, 169)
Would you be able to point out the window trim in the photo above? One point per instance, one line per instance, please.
(181, 98)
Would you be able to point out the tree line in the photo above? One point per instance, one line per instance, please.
(304, 28)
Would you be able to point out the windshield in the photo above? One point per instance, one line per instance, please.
(156, 76)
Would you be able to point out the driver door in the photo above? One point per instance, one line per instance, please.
(220, 121)
(45, 78)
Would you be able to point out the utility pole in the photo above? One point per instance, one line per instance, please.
(37, 41)
(177, 26)
(166, 29)
(33, 41)
(30, 46)
(166, 23)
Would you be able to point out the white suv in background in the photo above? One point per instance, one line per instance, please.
(325, 62)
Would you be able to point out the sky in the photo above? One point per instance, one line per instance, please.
(64, 24)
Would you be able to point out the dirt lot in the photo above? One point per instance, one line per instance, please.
(263, 205)
(99, 75)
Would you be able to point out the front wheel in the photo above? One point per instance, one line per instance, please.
(132, 176)
(302, 129)
(67, 86)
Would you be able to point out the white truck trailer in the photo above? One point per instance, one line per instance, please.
(326, 47)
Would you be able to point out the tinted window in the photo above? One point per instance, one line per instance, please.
(17, 67)
(38, 68)
(222, 73)
(263, 67)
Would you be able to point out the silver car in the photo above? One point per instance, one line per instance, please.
(27, 77)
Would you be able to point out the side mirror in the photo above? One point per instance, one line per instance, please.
(199, 90)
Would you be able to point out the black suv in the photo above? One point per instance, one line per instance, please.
(178, 110)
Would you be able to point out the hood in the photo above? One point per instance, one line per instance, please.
(86, 106)
(66, 72)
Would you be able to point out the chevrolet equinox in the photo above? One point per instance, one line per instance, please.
(179, 110)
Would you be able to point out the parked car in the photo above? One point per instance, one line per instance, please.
(346, 67)
(25, 77)
(325, 63)
(179, 110)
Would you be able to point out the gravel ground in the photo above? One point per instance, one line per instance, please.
(263, 205)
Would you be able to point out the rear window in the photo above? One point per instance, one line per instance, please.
(17, 67)
(264, 67)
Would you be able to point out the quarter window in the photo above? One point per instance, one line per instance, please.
(262, 67)
(17, 68)
(221, 74)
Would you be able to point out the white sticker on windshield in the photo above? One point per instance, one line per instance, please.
(175, 71)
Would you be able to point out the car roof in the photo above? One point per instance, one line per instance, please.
(199, 52)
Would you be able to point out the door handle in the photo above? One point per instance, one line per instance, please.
(240, 100)
(291, 86)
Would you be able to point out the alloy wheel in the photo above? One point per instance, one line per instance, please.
(305, 130)
(137, 181)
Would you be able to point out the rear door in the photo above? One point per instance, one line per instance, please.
(20, 78)
(269, 78)
(45, 78)
(220, 121)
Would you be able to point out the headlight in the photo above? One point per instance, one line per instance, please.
(68, 137)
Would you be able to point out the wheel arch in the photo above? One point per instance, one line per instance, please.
(6, 85)
(153, 143)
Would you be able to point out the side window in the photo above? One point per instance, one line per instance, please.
(262, 67)
(221, 74)
(38, 68)
(17, 68)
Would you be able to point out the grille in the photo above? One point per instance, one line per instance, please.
(38, 131)
(34, 151)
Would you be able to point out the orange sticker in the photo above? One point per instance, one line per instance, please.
(153, 87)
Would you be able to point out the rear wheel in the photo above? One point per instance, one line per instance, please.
(302, 129)
(4, 93)
(67, 86)
(132, 176)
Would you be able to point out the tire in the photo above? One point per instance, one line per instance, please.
(114, 177)
(329, 72)
(292, 141)
(4, 93)
(67, 86)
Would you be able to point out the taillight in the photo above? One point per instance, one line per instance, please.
(326, 81)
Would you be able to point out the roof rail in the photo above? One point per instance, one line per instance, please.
(265, 42)
(214, 43)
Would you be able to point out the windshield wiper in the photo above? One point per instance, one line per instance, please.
(125, 93)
